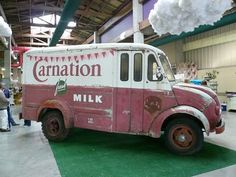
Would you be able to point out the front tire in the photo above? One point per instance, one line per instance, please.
(53, 126)
(183, 136)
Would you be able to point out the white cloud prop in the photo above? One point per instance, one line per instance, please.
(5, 30)
(177, 16)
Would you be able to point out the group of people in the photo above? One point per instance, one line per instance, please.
(6, 119)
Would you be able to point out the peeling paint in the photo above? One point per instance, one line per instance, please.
(196, 113)
(152, 104)
(106, 103)
(109, 112)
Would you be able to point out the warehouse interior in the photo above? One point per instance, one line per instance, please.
(206, 54)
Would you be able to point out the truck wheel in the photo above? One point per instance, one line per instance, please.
(183, 136)
(53, 126)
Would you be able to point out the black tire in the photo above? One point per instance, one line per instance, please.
(53, 126)
(183, 136)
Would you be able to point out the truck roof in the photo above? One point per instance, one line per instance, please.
(116, 46)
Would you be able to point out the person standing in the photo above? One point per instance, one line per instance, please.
(4, 127)
(11, 121)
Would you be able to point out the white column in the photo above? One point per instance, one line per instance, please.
(15, 74)
(7, 64)
(137, 17)
(20, 75)
(96, 38)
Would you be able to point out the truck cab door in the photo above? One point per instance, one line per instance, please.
(130, 83)
(158, 94)
(123, 92)
(137, 90)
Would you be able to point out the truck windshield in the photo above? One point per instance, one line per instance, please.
(166, 67)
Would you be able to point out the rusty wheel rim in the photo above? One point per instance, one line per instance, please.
(182, 137)
(53, 126)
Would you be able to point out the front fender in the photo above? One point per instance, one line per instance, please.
(155, 128)
(60, 105)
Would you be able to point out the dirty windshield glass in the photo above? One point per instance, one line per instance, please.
(166, 67)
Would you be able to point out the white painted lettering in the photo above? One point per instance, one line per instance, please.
(77, 97)
(90, 99)
(98, 99)
(87, 98)
(84, 98)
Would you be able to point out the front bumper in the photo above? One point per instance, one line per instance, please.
(220, 127)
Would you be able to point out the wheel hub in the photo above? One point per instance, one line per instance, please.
(181, 138)
(53, 127)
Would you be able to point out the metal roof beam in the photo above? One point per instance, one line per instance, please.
(23, 7)
(44, 36)
(117, 17)
(39, 25)
(32, 44)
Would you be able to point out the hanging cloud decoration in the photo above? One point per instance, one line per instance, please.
(177, 16)
(5, 30)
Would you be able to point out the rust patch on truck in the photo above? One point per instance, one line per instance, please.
(152, 104)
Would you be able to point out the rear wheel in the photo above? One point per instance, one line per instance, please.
(183, 136)
(53, 126)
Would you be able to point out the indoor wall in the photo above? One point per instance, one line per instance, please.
(215, 50)
(174, 52)
(226, 79)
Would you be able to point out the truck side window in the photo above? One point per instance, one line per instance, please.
(138, 67)
(152, 68)
(124, 67)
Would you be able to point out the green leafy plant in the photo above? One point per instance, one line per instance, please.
(211, 75)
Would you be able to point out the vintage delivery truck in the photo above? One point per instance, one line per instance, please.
(121, 88)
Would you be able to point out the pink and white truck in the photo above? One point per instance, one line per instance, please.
(120, 88)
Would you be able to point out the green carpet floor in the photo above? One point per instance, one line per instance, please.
(89, 153)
